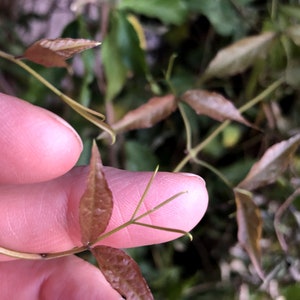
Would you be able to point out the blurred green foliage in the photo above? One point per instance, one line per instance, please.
(139, 37)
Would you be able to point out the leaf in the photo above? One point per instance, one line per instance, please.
(53, 53)
(291, 11)
(294, 33)
(213, 105)
(139, 157)
(96, 203)
(273, 163)
(122, 272)
(239, 56)
(114, 68)
(249, 227)
(129, 44)
(148, 114)
(167, 11)
(221, 14)
(121, 54)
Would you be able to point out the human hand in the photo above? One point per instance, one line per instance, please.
(39, 206)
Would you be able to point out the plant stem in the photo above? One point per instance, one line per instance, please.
(214, 170)
(93, 116)
(40, 256)
(134, 220)
(194, 151)
(144, 194)
(187, 127)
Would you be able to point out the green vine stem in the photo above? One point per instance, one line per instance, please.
(194, 151)
(93, 116)
(187, 126)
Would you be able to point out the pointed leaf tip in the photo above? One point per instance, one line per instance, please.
(213, 105)
(146, 115)
(96, 203)
(122, 272)
(239, 56)
(273, 163)
(54, 52)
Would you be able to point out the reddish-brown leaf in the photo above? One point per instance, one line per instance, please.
(96, 203)
(53, 53)
(213, 105)
(148, 114)
(122, 272)
(249, 227)
(273, 163)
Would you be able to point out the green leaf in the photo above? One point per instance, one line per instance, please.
(96, 203)
(221, 14)
(291, 291)
(121, 54)
(291, 10)
(122, 272)
(129, 45)
(139, 157)
(114, 67)
(168, 11)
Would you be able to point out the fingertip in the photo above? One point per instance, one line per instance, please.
(36, 145)
(187, 209)
(188, 204)
(196, 199)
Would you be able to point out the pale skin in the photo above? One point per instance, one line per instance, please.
(40, 190)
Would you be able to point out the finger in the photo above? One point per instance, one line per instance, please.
(36, 145)
(44, 217)
(62, 278)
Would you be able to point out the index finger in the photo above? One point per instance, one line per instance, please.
(36, 145)
(44, 217)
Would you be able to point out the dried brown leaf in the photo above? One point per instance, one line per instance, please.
(96, 203)
(273, 163)
(249, 227)
(239, 56)
(148, 114)
(122, 272)
(53, 53)
(213, 105)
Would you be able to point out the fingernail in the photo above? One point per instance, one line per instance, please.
(193, 175)
(67, 125)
